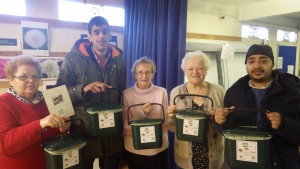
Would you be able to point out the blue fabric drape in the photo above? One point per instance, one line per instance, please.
(156, 29)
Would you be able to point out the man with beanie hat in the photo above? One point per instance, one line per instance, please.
(276, 98)
(260, 49)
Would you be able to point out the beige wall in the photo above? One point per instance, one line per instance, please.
(212, 24)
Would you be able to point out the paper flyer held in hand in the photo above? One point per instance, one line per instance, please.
(58, 101)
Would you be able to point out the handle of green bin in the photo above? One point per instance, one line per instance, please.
(71, 120)
(121, 93)
(193, 95)
(163, 111)
(113, 88)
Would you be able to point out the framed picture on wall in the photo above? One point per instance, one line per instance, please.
(35, 38)
(114, 40)
(83, 36)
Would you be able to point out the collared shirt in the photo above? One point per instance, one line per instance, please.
(267, 86)
(102, 62)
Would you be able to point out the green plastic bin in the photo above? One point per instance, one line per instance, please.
(191, 124)
(105, 119)
(247, 148)
(64, 151)
(146, 133)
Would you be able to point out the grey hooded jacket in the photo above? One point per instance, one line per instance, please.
(79, 68)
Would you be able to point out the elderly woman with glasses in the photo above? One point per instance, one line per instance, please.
(145, 93)
(210, 152)
(23, 115)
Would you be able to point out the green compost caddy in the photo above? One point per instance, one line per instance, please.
(191, 124)
(64, 151)
(146, 133)
(247, 147)
(105, 119)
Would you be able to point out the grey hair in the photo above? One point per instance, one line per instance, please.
(196, 54)
(12, 65)
(146, 61)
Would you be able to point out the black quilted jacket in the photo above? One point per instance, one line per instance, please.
(283, 96)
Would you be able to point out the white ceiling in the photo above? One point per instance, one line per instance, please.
(286, 19)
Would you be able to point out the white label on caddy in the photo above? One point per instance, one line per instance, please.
(147, 134)
(246, 151)
(106, 119)
(70, 158)
(190, 127)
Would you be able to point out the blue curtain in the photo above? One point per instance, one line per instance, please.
(157, 29)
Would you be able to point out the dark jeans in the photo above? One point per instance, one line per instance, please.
(158, 161)
(104, 163)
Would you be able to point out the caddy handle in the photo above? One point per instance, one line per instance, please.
(141, 104)
(194, 95)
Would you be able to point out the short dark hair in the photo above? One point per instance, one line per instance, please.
(98, 21)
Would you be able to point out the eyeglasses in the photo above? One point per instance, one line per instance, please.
(26, 77)
(147, 73)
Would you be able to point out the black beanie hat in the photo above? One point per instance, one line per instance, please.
(260, 49)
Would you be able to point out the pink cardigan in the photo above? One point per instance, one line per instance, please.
(134, 95)
(20, 134)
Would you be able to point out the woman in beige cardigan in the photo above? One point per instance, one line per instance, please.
(210, 153)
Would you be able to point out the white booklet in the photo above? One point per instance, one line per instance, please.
(58, 101)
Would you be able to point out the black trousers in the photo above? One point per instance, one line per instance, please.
(158, 161)
(104, 163)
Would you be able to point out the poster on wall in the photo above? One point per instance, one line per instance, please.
(9, 42)
(35, 38)
(114, 40)
(227, 51)
(50, 66)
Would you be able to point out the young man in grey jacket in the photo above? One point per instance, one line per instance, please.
(89, 71)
